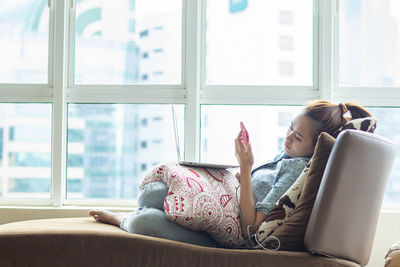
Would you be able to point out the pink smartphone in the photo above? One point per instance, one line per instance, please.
(244, 135)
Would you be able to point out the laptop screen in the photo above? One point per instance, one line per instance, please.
(178, 150)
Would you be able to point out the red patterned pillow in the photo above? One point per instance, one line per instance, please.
(201, 199)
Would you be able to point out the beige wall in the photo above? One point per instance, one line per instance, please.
(387, 233)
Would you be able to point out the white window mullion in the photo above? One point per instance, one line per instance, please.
(51, 45)
(326, 15)
(60, 9)
(71, 44)
(192, 31)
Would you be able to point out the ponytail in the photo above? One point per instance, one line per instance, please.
(356, 111)
(329, 117)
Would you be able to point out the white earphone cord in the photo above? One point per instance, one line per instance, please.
(249, 239)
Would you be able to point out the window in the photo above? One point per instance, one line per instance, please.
(24, 38)
(132, 4)
(29, 159)
(132, 25)
(389, 126)
(106, 51)
(75, 160)
(243, 50)
(102, 163)
(143, 166)
(143, 144)
(144, 33)
(25, 150)
(262, 122)
(369, 51)
(286, 17)
(367, 67)
(286, 42)
(75, 135)
(286, 68)
(285, 118)
(36, 187)
(86, 90)
(281, 143)
(1, 145)
(237, 5)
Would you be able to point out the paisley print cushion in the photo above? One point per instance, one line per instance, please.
(201, 199)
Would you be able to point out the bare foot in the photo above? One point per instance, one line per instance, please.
(106, 216)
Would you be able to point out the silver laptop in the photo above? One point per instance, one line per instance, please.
(191, 163)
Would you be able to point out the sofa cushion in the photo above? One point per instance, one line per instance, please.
(367, 124)
(281, 211)
(291, 232)
(83, 242)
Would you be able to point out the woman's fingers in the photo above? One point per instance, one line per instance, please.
(239, 141)
(249, 147)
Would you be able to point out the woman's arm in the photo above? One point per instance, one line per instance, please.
(249, 214)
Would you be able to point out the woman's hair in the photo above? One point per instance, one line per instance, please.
(330, 117)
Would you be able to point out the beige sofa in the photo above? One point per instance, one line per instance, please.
(342, 225)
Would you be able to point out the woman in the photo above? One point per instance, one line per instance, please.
(260, 187)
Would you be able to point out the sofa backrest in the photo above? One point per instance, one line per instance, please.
(346, 210)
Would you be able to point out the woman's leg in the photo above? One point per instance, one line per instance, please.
(151, 220)
(154, 222)
(153, 195)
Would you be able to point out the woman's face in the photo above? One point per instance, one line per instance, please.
(300, 137)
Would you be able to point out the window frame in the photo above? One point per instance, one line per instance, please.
(192, 91)
(368, 96)
(259, 94)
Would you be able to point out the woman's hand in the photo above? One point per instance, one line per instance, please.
(244, 155)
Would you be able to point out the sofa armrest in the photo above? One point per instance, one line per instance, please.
(345, 214)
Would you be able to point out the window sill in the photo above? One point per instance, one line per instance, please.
(10, 214)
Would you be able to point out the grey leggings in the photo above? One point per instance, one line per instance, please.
(151, 220)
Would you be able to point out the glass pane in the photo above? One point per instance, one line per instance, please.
(112, 146)
(369, 51)
(24, 37)
(128, 42)
(389, 126)
(260, 42)
(25, 150)
(267, 127)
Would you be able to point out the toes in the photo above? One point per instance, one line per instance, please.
(92, 212)
(95, 212)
